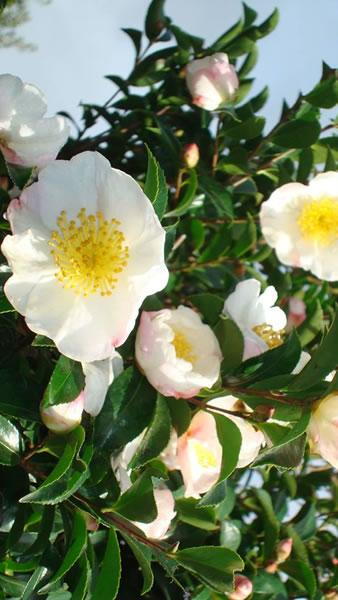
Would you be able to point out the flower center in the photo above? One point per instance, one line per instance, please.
(205, 457)
(318, 221)
(183, 348)
(271, 337)
(89, 253)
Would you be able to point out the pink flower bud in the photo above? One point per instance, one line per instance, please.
(297, 312)
(191, 155)
(271, 567)
(211, 81)
(284, 550)
(242, 588)
(62, 418)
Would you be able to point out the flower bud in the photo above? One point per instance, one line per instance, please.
(191, 155)
(283, 550)
(211, 81)
(242, 588)
(62, 418)
(297, 312)
(271, 566)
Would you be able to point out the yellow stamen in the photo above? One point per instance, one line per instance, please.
(205, 457)
(271, 337)
(89, 253)
(183, 348)
(318, 221)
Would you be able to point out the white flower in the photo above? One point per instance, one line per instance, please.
(323, 429)
(301, 223)
(26, 138)
(198, 453)
(98, 377)
(62, 418)
(177, 352)
(211, 80)
(87, 249)
(163, 497)
(261, 323)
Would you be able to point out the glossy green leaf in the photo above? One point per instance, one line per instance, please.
(299, 133)
(156, 437)
(66, 382)
(188, 196)
(155, 19)
(213, 566)
(137, 503)
(106, 585)
(231, 342)
(302, 573)
(271, 523)
(143, 557)
(251, 128)
(209, 305)
(10, 443)
(155, 186)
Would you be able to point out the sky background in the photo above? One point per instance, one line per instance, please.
(80, 41)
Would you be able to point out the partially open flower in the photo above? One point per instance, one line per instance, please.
(323, 429)
(261, 323)
(199, 452)
(62, 418)
(301, 223)
(86, 251)
(177, 352)
(26, 138)
(211, 81)
(242, 588)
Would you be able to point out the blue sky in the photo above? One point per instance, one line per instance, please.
(80, 41)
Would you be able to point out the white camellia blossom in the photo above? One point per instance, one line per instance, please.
(164, 500)
(198, 453)
(178, 353)
(261, 323)
(211, 81)
(323, 429)
(26, 137)
(86, 250)
(62, 418)
(301, 223)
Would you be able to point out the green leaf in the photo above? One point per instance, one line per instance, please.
(41, 341)
(323, 361)
(209, 305)
(306, 524)
(190, 512)
(19, 175)
(155, 186)
(212, 565)
(46, 526)
(33, 582)
(58, 487)
(230, 535)
(66, 382)
(217, 195)
(83, 579)
(313, 324)
(180, 414)
(299, 571)
(188, 196)
(127, 410)
(299, 133)
(249, 63)
(324, 94)
(5, 305)
(156, 437)
(107, 583)
(227, 37)
(247, 241)
(247, 130)
(269, 586)
(10, 443)
(268, 25)
(136, 37)
(137, 503)
(271, 523)
(230, 438)
(249, 15)
(19, 397)
(231, 342)
(155, 19)
(217, 246)
(288, 446)
(143, 557)
(77, 546)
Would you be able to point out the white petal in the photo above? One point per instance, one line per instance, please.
(38, 142)
(324, 184)
(10, 88)
(98, 377)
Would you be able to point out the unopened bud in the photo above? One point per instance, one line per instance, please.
(242, 588)
(62, 418)
(283, 550)
(331, 595)
(271, 567)
(297, 312)
(191, 155)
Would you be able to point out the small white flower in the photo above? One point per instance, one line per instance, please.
(26, 137)
(301, 223)
(62, 418)
(86, 251)
(211, 81)
(260, 322)
(177, 352)
(323, 429)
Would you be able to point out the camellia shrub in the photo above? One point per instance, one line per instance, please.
(169, 335)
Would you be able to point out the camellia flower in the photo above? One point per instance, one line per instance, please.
(26, 138)
(198, 452)
(242, 588)
(301, 223)
(261, 323)
(211, 81)
(177, 352)
(87, 249)
(62, 418)
(164, 500)
(323, 429)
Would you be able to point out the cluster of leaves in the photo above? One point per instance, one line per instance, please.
(65, 527)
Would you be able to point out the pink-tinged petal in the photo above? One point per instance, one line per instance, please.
(98, 377)
(242, 588)
(165, 505)
(211, 81)
(62, 418)
(323, 429)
